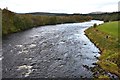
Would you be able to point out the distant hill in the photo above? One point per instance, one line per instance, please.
(113, 16)
(65, 14)
(104, 16)
(48, 14)
(97, 12)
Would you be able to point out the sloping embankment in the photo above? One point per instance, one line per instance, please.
(105, 37)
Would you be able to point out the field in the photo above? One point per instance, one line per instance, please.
(110, 28)
(105, 37)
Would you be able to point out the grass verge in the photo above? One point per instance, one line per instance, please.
(105, 37)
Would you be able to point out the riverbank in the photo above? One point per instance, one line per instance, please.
(14, 22)
(105, 37)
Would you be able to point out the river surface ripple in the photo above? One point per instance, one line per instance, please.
(50, 52)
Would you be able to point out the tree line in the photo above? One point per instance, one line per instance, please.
(114, 16)
(14, 22)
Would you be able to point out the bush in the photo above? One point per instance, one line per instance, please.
(95, 25)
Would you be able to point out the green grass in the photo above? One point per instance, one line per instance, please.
(105, 37)
(110, 28)
(103, 77)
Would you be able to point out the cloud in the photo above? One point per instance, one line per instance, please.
(61, 6)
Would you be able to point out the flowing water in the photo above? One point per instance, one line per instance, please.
(50, 52)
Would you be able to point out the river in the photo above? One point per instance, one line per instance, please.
(50, 52)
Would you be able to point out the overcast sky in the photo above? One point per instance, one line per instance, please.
(60, 6)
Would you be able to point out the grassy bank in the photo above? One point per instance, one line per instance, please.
(105, 37)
